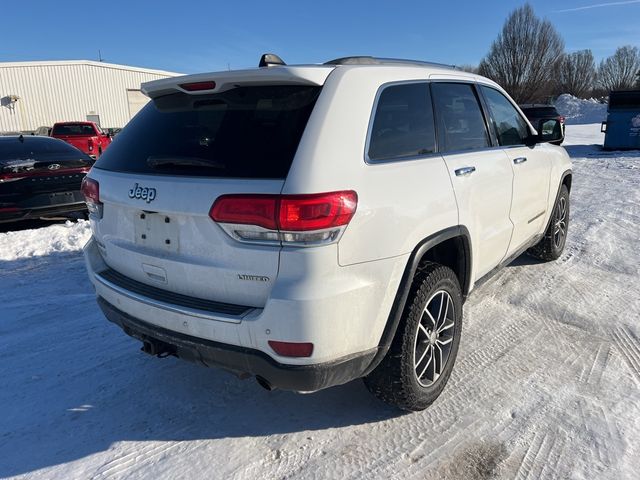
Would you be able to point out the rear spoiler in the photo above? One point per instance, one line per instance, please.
(203, 83)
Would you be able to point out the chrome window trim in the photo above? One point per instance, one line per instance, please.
(407, 158)
(483, 111)
(516, 108)
(484, 108)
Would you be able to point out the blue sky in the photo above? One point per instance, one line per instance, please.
(193, 35)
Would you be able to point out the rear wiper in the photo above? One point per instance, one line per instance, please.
(173, 161)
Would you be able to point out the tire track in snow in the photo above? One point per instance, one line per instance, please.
(454, 411)
(629, 347)
(119, 466)
(593, 374)
(528, 461)
(542, 455)
(284, 463)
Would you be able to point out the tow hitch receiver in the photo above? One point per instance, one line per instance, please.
(158, 349)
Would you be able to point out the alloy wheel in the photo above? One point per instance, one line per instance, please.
(433, 339)
(560, 229)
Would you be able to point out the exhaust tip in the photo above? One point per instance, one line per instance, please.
(264, 383)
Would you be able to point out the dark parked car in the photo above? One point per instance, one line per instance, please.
(537, 112)
(40, 177)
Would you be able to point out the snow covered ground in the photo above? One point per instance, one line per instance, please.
(547, 382)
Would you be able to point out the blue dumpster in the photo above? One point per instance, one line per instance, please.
(622, 128)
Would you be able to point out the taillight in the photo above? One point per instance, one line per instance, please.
(291, 219)
(91, 191)
(316, 212)
(198, 86)
(90, 144)
(259, 210)
(291, 349)
(561, 119)
(11, 177)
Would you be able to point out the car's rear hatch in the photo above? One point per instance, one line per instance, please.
(162, 174)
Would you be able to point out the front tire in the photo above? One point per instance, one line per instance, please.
(420, 360)
(555, 238)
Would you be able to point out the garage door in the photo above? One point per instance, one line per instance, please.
(137, 100)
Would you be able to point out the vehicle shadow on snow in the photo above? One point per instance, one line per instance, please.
(596, 150)
(86, 386)
(172, 401)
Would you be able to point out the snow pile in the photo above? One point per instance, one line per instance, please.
(578, 111)
(44, 241)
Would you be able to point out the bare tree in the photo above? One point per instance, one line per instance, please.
(524, 59)
(577, 73)
(619, 71)
(468, 68)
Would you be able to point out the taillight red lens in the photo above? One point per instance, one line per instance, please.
(316, 212)
(257, 210)
(290, 349)
(91, 190)
(196, 86)
(289, 213)
(90, 144)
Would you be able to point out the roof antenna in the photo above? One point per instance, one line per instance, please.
(100, 59)
(270, 59)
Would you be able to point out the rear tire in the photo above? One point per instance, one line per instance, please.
(555, 238)
(420, 360)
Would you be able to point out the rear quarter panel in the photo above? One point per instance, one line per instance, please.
(399, 203)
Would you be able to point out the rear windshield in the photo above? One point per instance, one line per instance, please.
(246, 132)
(32, 147)
(624, 100)
(541, 111)
(78, 129)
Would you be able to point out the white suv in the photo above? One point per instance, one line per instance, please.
(310, 225)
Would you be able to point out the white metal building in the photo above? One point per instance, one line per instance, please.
(35, 94)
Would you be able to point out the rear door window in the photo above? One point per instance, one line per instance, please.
(461, 125)
(245, 132)
(510, 127)
(403, 125)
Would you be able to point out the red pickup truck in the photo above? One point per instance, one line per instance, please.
(85, 136)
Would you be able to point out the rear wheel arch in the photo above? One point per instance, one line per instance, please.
(450, 247)
(567, 177)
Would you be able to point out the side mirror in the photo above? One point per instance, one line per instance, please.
(549, 130)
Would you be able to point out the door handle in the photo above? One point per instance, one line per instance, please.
(519, 160)
(464, 171)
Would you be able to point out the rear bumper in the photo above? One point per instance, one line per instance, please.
(241, 360)
(17, 212)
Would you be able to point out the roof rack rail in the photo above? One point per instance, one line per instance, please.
(367, 60)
